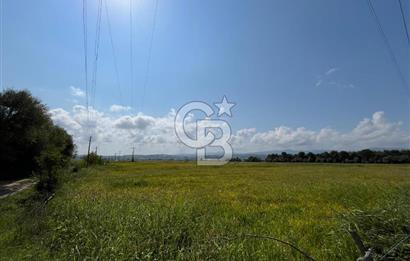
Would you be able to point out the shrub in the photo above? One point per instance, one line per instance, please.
(77, 165)
(94, 159)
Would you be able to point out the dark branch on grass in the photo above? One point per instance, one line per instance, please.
(306, 255)
(358, 241)
(49, 198)
(394, 247)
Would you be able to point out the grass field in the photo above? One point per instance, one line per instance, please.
(180, 211)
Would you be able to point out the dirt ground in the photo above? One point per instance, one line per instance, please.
(8, 188)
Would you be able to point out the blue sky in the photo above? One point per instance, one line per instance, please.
(311, 64)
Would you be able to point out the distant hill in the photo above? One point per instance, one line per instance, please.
(188, 157)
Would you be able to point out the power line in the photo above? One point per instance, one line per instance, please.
(1, 45)
(96, 52)
(404, 22)
(96, 55)
(86, 61)
(113, 50)
(154, 22)
(405, 26)
(389, 48)
(131, 57)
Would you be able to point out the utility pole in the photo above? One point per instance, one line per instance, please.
(115, 156)
(88, 152)
(132, 159)
(96, 150)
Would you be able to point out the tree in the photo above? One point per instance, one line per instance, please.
(366, 155)
(344, 156)
(311, 157)
(29, 139)
(363, 156)
(285, 157)
(253, 159)
(235, 159)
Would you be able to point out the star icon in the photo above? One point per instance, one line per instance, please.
(225, 107)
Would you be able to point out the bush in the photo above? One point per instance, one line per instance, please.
(77, 165)
(94, 159)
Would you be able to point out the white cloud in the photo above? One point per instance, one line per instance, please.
(114, 133)
(77, 92)
(376, 132)
(119, 108)
(64, 119)
(330, 79)
(157, 135)
(140, 122)
(332, 70)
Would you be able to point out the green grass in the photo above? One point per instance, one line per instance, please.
(180, 211)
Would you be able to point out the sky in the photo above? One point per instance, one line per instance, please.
(304, 75)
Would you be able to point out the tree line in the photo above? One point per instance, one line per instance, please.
(362, 156)
(31, 144)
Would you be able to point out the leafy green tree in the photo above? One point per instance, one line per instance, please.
(285, 157)
(363, 156)
(366, 155)
(235, 159)
(311, 157)
(253, 159)
(30, 142)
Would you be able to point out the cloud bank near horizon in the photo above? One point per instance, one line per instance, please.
(113, 132)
